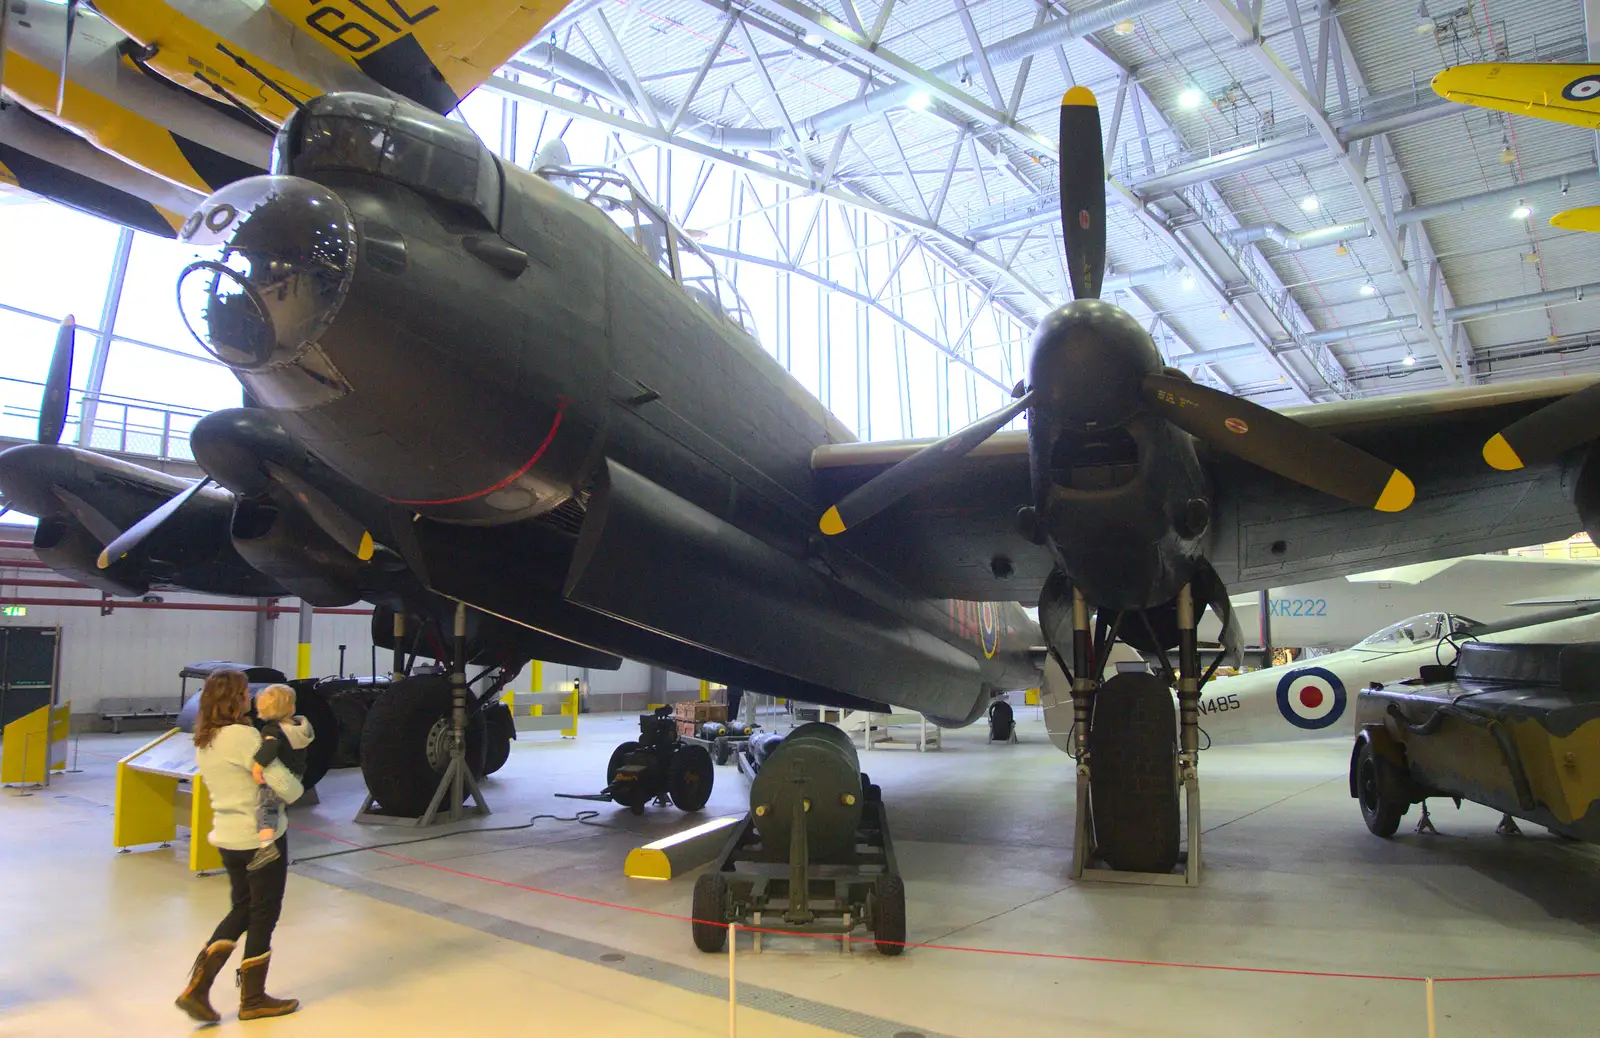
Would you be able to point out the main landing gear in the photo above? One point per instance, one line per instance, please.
(1131, 763)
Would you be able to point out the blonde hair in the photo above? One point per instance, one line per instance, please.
(224, 700)
(275, 702)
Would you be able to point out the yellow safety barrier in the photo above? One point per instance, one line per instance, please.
(158, 789)
(680, 852)
(532, 706)
(35, 744)
(1030, 697)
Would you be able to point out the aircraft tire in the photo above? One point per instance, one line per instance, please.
(1375, 785)
(1133, 745)
(889, 915)
(499, 730)
(402, 726)
(710, 912)
(689, 777)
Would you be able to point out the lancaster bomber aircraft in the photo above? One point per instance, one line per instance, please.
(532, 394)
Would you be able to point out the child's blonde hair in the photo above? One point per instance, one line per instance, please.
(275, 702)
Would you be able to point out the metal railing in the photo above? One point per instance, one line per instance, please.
(121, 424)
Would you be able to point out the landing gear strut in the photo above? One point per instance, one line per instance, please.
(1126, 829)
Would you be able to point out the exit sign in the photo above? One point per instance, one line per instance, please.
(14, 611)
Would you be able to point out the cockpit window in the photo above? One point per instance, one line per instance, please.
(674, 253)
(427, 153)
(1415, 630)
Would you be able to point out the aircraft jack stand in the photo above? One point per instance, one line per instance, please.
(1084, 858)
(457, 782)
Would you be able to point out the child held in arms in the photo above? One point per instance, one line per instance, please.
(284, 737)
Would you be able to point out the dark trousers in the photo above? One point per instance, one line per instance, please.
(257, 899)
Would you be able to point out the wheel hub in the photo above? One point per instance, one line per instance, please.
(438, 745)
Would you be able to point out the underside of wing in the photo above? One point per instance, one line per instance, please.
(1559, 93)
(435, 52)
(956, 535)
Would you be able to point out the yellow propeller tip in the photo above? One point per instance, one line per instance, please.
(104, 561)
(1079, 95)
(1397, 494)
(831, 523)
(364, 552)
(1498, 453)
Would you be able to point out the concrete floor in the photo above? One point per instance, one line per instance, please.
(96, 943)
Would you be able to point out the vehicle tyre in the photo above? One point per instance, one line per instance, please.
(499, 730)
(1375, 782)
(710, 912)
(721, 751)
(616, 759)
(325, 732)
(689, 777)
(1133, 745)
(405, 743)
(889, 915)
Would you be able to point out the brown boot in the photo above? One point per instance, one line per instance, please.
(254, 1002)
(196, 997)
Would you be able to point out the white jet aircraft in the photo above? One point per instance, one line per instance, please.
(1313, 698)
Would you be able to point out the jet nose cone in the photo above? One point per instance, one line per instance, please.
(287, 253)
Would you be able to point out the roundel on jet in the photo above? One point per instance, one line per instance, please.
(989, 628)
(1311, 697)
(1584, 88)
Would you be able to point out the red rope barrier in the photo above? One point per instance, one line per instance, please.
(1015, 953)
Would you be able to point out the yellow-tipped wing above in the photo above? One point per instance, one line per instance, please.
(1558, 93)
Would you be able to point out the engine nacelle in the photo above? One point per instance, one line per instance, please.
(1586, 493)
(281, 540)
(69, 549)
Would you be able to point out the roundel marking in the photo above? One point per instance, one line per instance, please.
(1311, 698)
(989, 628)
(1083, 219)
(1584, 88)
(1237, 425)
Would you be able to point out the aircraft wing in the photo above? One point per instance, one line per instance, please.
(1559, 93)
(432, 51)
(956, 535)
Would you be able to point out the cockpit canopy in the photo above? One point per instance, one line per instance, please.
(674, 252)
(432, 155)
(1423, 629)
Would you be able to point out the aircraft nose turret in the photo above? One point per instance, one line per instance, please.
(288, 252)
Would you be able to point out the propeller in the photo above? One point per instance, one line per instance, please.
(66, 47)
(348, 532)
(134, 535)
(879, 493)
(1228, 423)
(1083, 192)
(58, 384)
(1278, 443)
(1548, 433)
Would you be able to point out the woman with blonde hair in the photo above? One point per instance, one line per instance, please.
(225, 748)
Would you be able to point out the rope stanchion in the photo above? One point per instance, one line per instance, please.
(733, 997)
(1432, 1030)
(733, 928)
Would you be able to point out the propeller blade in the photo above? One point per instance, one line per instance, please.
(58, 384)
(403, 533)
(1279, 444)
(135, 534)
(1083, 192)
(339, 524)
(1548, 433)
(66, 48)
(891, 485)
(93, 520)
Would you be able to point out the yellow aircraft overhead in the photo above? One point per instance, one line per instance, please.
(1584, 218)
(1558, 93)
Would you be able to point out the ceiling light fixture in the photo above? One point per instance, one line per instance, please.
(1425, 23)
(1310, 204)
(1124, 27)
(1410, 360)
(1342, 250)
(1522, 211)
(1507, 156)
(1368, 288)
(1188, 281)
(921, 101)
(1190, 99)
(813, 39)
